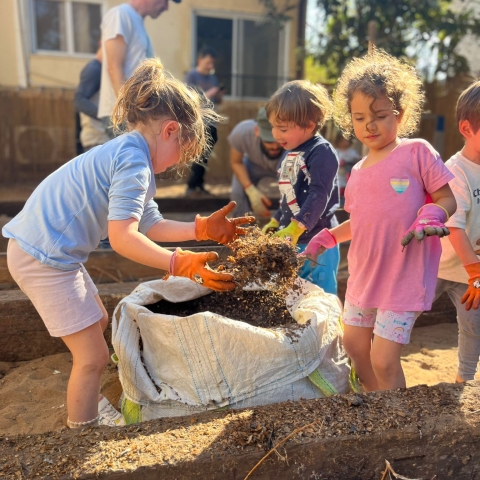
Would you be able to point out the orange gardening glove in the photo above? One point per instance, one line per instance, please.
(219, 228)
(194, 266)
(471, 298)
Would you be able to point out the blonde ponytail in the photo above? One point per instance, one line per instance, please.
(152, 93)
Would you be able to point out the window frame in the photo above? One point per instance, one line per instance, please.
(70, 41)
(237, 46)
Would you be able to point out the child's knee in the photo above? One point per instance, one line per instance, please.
(94, 364)
(353, 348)
(385, 367)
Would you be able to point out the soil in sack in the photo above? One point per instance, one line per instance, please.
(256, 258)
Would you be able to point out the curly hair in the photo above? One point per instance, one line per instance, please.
(300, 102)
(152, 93)
(375, 75)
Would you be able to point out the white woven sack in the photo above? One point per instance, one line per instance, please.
(206, 361)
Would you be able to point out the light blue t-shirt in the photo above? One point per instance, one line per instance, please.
(67, 215)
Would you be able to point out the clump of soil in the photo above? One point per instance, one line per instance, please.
(264, 259)
(264, 308)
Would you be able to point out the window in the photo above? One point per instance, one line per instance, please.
(66, 26)
(251, 60)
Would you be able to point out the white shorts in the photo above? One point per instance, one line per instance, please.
(65, 300)
(394, 326)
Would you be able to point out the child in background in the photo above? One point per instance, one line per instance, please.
(379, 99)
(347, 157)
(459, 272)
(110, 189)
(308, 174)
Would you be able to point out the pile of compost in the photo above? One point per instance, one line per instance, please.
(263, 259)
(258, 308)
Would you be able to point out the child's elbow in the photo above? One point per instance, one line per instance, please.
(452, 202)
(454, 206)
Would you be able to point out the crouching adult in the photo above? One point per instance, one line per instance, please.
(254, 155)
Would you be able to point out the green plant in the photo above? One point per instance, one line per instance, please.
(427, 31)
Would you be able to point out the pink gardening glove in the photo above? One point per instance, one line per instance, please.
(430, 221)
(322, 241)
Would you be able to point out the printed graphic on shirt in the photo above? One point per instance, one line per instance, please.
(292, 165)
(476, 195)
(399, 184)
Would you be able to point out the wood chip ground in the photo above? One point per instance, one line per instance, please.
(226, 433)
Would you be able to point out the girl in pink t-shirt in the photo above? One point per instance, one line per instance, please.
(379, 100)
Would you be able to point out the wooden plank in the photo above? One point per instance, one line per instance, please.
(106, 266)
(170, 205)
(23, 335)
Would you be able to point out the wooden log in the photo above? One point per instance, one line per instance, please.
(170, 205)
(107, 266)
(23, 335)
(423, 432)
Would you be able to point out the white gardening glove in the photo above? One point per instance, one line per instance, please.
(258, 201)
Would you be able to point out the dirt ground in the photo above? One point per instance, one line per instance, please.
(32, 394)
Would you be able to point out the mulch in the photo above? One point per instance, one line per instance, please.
(221, 434)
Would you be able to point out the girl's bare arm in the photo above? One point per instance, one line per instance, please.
(445, 198)
(342, 233)
(130, 243)
(172, 231)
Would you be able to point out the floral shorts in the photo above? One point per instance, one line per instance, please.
(394, 326)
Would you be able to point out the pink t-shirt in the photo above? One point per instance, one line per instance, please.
(383, 201)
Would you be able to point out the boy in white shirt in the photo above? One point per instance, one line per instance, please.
(459, 272)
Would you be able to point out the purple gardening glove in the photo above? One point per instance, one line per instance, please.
(322, 241)
(430, 221)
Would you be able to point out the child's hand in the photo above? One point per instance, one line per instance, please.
(471, 298)
(258, 201)
(270, 227)
(292, 232)
(219, 228)
(322, 241)
(430, 221)
(194, 266)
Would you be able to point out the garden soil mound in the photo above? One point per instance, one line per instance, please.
(32, 397)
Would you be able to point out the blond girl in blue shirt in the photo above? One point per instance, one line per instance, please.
(109, 190)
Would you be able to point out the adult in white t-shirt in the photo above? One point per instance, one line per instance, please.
(125, 44)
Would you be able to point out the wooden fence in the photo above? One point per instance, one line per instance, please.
(37, 133)
(441, 100)
(38, 130)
